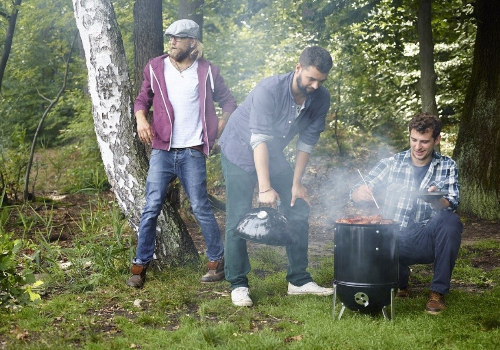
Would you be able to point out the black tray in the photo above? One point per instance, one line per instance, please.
(425, 195)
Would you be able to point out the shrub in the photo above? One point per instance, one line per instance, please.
(15, 279)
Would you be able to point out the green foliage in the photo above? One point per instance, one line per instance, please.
(80, 137)
(375, 52)
(372, 82)
(215, 179)
(34, 74)
(14, 154)
(100, 249)
(15, 271)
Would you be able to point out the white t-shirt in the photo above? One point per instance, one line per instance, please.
(182, 89)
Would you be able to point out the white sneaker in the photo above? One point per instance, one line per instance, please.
(241, 296)
(309, 288)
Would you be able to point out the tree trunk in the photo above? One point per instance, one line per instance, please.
(427, 84)
(192, 9)
(477, 151)
(148, 36)
(123, 156)
(8, 40)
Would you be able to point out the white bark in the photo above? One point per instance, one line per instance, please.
(122, 154)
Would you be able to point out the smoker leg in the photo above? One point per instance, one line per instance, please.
(393, 292)
(334, 303)
(384, 312)
(334, 300)
(341, 311)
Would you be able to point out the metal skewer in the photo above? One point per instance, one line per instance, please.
(362, 178)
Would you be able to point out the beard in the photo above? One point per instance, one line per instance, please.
(180, 55)
(302, 88)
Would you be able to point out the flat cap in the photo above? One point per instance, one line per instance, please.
(184, 28)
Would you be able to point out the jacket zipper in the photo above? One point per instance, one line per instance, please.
(164, 102)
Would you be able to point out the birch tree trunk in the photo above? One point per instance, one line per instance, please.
(123, 155)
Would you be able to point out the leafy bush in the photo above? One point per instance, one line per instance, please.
(14, 154)
(15, 276)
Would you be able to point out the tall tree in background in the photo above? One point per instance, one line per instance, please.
(12, 18)
(115, 128)
(427, 83)
(477, 150)
(148, 36)
(192, 9)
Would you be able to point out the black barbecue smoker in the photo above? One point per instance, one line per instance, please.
(365, 267)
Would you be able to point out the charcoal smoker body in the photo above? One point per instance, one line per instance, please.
(365, 267)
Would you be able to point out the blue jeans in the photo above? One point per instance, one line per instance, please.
(189, 166)
(436, 242)
(240, 187)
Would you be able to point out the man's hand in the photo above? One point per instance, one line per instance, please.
(144, 129)
(220, 128)
(437, 203)
(299, 191)
(268, 198)
(222, 123)
(362, 194)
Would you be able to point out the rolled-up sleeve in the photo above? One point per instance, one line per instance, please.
(256, 139)
(304, 147)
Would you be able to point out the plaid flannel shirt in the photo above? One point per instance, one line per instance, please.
(393, 179)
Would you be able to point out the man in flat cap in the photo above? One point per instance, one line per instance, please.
(181, 87)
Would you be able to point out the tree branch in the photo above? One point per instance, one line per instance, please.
(52, 104)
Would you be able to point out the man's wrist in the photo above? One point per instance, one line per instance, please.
(225, 116)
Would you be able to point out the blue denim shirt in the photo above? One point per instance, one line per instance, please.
(394, 178)
(269, 111)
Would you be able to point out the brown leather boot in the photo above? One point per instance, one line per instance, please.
(138, 276)
(435, 304)
(215, 272)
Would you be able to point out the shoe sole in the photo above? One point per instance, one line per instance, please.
(430, 312)
(212, 281)
(243, 303)
(133, 285)
(325, 294)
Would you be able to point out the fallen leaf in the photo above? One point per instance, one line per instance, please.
(294, 338)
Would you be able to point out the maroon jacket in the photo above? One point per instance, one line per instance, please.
(154, 93)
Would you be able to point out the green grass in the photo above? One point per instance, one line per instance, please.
(177, 312)
(90, 307)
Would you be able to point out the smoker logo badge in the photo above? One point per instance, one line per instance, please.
(362, 299)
